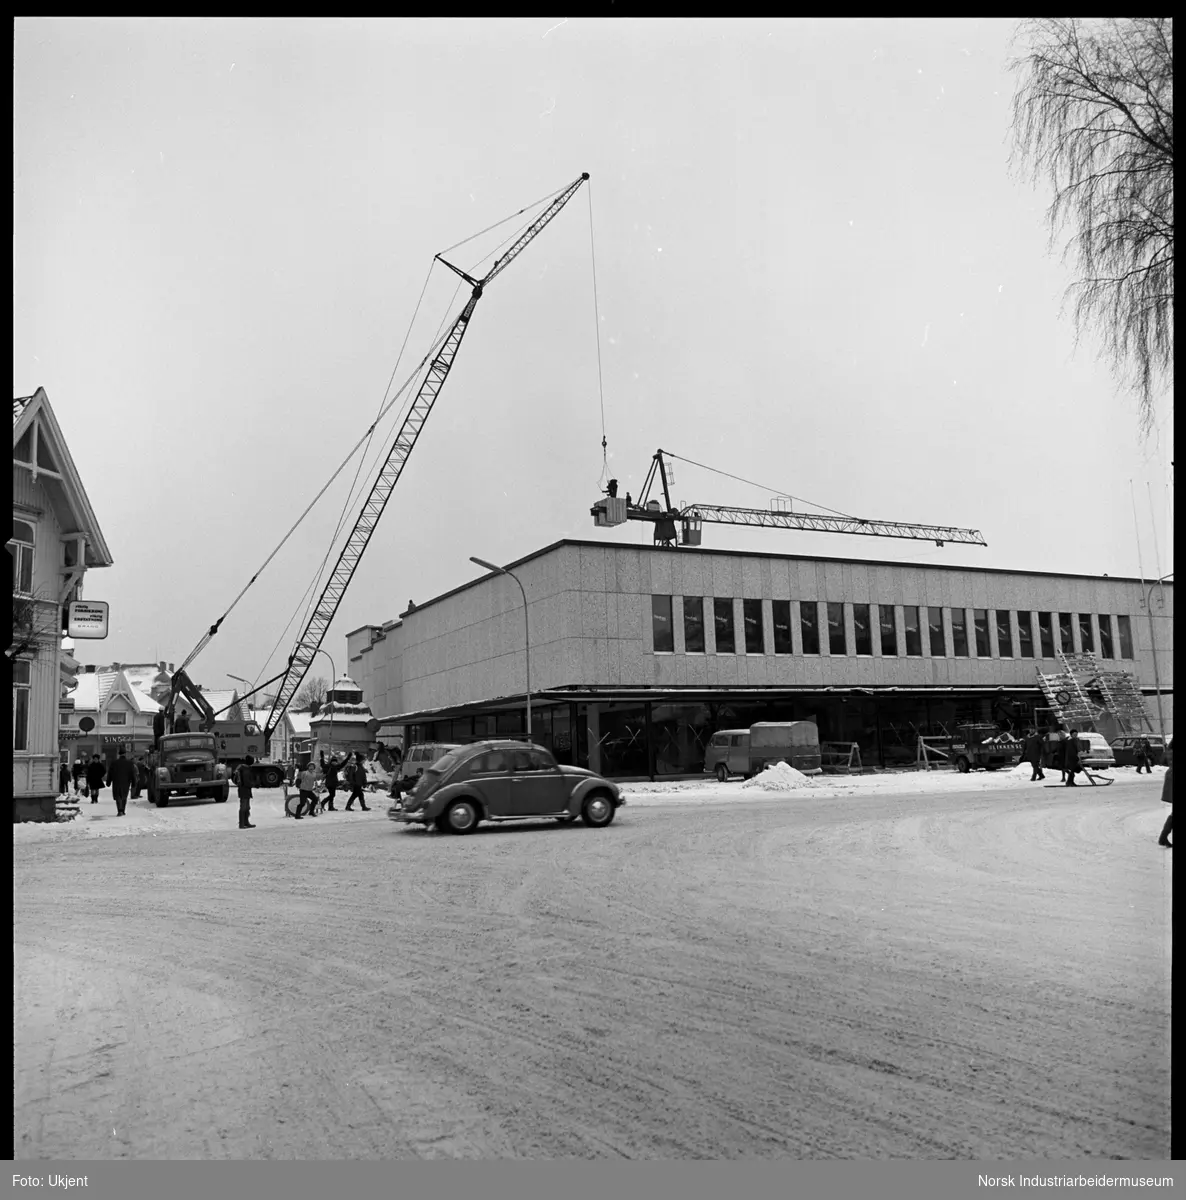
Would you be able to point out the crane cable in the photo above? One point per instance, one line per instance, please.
(604, 478)
(762, 487)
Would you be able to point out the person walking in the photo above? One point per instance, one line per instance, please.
(308, 790)
(64, 779)
(357, 778)
(1071, 757)
(96, 776)
(120, 776)
(1144, 756)
(1167, 794)
(1033, 755)
(79, 773)
(243, 777)
(332, 771)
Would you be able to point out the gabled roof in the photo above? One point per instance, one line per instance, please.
(28, 410)
(96, 689)
(300, 723)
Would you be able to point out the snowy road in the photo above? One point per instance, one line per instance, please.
(976, 970)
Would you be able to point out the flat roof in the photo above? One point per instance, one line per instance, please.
(762, 554)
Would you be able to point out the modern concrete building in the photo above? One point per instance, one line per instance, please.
(638, 654)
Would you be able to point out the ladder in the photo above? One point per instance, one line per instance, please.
(1069, 693)
(1066, 696)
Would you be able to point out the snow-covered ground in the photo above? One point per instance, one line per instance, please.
(777, 783)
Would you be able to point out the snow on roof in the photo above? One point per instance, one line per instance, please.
(86, 695)
(95, 687)
(300, 723)
(219, 700)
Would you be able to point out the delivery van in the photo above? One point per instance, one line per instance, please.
(793, 742)
(727, 753)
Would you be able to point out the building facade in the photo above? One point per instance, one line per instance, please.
(110, 713)
(55, 540)
(638, 654)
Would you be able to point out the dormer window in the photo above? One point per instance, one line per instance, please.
(21, 549)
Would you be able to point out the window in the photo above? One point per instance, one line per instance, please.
(1124, 628)
(694, 624)
(837, 643)
(913, 631)
(21, 549)
(63, 718)
(20, 704)
(1086, 640)
(722, 619)
(959, 632)
(751, 617)
(1046, 633)
(862, 629)
(980, 627)
(1004, 634)
(782, 626)
(809, 626)
(1025, 634)
(889, 629)
(661, 628)
(116, 718)
(532, 760)
(938, 637)
(1066, 636)
(1106, 636)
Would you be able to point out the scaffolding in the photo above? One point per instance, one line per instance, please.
(1086, 694)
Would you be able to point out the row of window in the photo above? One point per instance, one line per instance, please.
(945, 631)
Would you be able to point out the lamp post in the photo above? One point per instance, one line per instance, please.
(526, 630)
(329, 703)
(1153, 646)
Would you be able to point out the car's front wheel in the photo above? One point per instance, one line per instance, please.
(722, 773)
(462, 817)
(598, 810)
(962, 765)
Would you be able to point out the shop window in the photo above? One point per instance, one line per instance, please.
(889, 629)
(694, 624)
(937, 632)
(1124, 628)
(1086, 640)
(755, 635)
(862, 628)
(21, 549)
(1066, 634)
(782, 626)
(1106, 636)
(959, 632)
(912, 618)
(661, 627)
(809, 626)
(1025, 634)
(21, 674)
(837, 642)
(722, 620)
(1046, 633)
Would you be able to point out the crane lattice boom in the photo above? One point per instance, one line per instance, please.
(773, 518)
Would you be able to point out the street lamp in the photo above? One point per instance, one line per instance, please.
(329, 703)
(526, 630)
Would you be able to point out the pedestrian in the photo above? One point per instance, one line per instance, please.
(1033, 755)
(308, 790)
(64, 779)
(332, 770)
(1167, 794)
(243, 777)
(120, 776)
(79, 773)
(1071, 757)
(158, 728)
(1144, 756)
(357, 778)
(141, 777)
(96, 776)
(181, 724)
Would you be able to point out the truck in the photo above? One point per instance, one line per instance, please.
(186, 764)
(983, 745)
(234, 739)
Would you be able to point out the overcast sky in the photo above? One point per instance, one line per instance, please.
(814, 270)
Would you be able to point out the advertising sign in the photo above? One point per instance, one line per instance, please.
(87, 619)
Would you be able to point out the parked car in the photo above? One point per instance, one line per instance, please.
(419, 758)
(1125, 749)
(727, 753)
(505, 781)
(1094, 752)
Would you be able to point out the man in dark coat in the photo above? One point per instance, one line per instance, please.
(141, 780)
(1033, 754)
(158, 728)
(1144, 756)
(243, 776)
(96, 776)
(181, 722)
(1070, 762)
(331, 770)
(121, 775)
(357, 778)
(63, 779)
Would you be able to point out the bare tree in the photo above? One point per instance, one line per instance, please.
(36, 622)
(1094, 115)
(312, 694)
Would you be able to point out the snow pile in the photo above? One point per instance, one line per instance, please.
(779, 777)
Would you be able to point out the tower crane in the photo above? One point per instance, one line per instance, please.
(665, 516)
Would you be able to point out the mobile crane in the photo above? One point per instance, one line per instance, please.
(317, 625)
(616, 510)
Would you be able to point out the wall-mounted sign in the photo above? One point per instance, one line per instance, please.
(87, 619)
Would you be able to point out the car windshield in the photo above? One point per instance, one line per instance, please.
(189, 743)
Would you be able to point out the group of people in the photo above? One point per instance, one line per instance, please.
(336, 775)
(125, 776)
(1066, 754)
